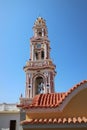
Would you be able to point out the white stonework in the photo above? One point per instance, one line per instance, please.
(8, 107)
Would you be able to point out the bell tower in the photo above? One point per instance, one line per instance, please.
(40, 70)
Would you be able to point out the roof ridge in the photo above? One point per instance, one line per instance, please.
(76, 86)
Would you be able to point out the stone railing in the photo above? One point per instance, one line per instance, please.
(8, 107)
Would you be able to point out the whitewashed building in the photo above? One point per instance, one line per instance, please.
(9, 117)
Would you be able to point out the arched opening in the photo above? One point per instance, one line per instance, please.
(42, 55)
(36, 55)
(39, 85)
(40, 33)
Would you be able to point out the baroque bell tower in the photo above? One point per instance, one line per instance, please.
(40, 70)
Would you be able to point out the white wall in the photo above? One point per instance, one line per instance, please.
(6, 117)
(9, 112)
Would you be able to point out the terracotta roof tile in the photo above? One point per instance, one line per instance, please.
(74, 120)
(64, 120)
(79, 119)
(48, 100)
(56, 120)
(59, 120)
(84, 119)
(69, 120)
(45, 120)
(41, 120)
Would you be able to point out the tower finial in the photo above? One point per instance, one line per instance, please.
(38, 15)
(40, 28)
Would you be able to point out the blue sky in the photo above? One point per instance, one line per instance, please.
(67, 30)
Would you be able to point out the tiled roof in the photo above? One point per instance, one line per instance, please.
(47, 100)
(76, 86)
(51, 100)
(56, 120)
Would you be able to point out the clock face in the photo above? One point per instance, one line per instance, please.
(38, 45)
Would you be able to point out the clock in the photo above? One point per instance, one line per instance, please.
(38, 45)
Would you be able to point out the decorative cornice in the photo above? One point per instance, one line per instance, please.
(55, 123)
(33, 65)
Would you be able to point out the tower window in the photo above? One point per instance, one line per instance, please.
(40, 88)
(36, 55)
(42, 54)
(40, 33)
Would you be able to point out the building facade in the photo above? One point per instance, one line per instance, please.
(9, 117)
(58, 110)
(43, 108)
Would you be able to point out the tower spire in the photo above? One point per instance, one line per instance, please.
(40, 29)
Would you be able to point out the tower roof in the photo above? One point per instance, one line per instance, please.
(40, 28)
(40, 22)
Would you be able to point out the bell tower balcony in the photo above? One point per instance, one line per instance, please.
(39, 64)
